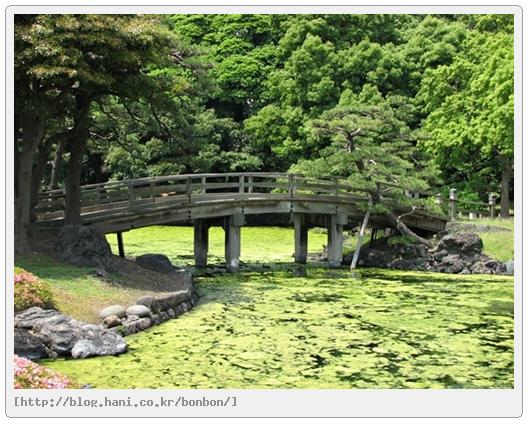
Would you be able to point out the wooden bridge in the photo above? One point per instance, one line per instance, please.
(225, 199)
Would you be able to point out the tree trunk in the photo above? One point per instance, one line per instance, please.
(57, 159)
(76, 144)
(354, 261)
(506, 175)
(404, 229)
(38, 173)
(72, 210)
(32, 133)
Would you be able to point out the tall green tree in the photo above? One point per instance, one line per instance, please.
(470, 104)
(367, 140)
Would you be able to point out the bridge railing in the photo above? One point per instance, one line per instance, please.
(141, 194)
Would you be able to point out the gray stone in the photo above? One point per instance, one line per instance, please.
(137, 325)
(30, 346)
(111, 321)
(84, 246)
(465, 272)
(156, 262)
(60, 333)
(107, 343)
(508, 268)
(165, 301)
(138, 310)
(171, 313)
(462, 243)
(156, 319)
(114, 310)
(451, 263)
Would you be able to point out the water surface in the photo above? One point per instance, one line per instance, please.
(324, 329)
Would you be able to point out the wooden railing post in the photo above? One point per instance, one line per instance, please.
(491, 202)
(291, 187)
(130, 193)
(152, 191)
(241, 188)
(452, 203)
(250, 183)
(204, 189)
(188, 189)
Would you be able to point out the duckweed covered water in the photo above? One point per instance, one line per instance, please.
(324, 329)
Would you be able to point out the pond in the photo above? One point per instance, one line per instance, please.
(320, 328)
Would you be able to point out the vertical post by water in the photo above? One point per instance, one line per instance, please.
(491, 201)
(241, 188)
(120, 244)
(452, 203)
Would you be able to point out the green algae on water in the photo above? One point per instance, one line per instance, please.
(324, 329)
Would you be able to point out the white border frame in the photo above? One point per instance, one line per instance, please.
(281, 403)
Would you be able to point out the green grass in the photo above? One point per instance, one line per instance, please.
(498, 245)
(258, 245)
(77, 292)
(324, 329)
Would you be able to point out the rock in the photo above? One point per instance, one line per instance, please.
(111, 321)
(107, 343)
(30, 346)
(60, 334)
(114, 310)
(156, 319)
(464, 272)
(84, 246)
(137, 325)
(157, 262)
(164, 302)
(138, 310)
(101, 273)
(508, 268)
(171, 313)
(451, 263)
(461, 243)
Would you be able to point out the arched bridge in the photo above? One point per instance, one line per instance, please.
(225, 199)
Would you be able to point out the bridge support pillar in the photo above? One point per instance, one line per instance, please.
(335, 239)
(301, 237)
(232, 225)
(201, 242)
(120, 244)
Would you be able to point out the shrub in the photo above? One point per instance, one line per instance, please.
(30, 375)
(30, 291)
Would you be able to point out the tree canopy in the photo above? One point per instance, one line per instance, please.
(420, 100)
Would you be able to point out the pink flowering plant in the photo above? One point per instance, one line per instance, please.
(30, 375)
(30, 291)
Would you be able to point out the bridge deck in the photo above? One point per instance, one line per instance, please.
(123, 205)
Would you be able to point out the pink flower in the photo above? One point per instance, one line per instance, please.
(29, 375)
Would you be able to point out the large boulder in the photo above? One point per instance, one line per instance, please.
(106, 343)
(156, 262)
(461, 243)
(61, 334)
(30, 346)
(84, 246)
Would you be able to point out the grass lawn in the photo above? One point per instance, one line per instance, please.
(498, 245)
(258, 244)
(77, 291)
